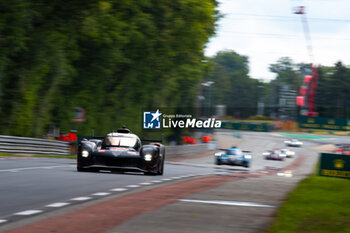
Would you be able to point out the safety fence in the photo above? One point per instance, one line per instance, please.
(33, 146)
(25, 145)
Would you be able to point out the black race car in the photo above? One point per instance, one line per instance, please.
(121, 150)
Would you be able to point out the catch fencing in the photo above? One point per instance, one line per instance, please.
(25, 145)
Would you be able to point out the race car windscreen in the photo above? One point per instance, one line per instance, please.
(120, 141)
(234, 152)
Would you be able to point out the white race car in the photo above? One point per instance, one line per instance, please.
(293, 142)
(274, 155)
(287, 153)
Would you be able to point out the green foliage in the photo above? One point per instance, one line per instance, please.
(333, 96)
(332, 92)
(233, 87)
(112, 58)
(288, 73)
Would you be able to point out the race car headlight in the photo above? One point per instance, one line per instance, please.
(85, 153)
(266, 153)
(148, 157)
(218, 154)
(247, 156)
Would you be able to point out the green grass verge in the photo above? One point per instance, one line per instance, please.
(40, 156)
(306, 136)
(318, 204)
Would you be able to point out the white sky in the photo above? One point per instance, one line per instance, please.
(265, 30)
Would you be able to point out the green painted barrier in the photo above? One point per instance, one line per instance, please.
(261, 127)
(334, 165)
(324, 123)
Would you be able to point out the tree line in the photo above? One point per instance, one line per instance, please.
(112, 58)
(241, 93)
(117, 58)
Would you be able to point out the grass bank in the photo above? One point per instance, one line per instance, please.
(318, 204)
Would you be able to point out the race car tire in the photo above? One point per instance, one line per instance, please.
(218, 162)
(150, 173)
(80, 169)
(161, 169)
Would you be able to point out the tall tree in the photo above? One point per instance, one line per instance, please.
(112, 58)
(333, 98)
(233, 87)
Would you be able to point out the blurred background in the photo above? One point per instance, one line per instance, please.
(77, 67)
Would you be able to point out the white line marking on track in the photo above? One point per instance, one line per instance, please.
(28, 212)
(231, 203)
(166, 179)
(101, 194)
(118, 190)
(145, 183)
(157, 181)
(33, 168)
(58, 204)
(81, 198)
(133, 186)
(3, 220)
(175, 177)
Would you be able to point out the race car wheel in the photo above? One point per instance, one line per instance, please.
(80, 169)
(218, 162)
(150, 173)
(161, 168)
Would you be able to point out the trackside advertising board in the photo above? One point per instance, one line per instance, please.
(246, 126)
(335, 165)
(324, 123)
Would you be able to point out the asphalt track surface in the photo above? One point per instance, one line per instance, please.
(31, 183)
(33, 186)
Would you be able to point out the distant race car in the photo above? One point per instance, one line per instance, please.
(293, 142)
(233, 156)
(287, 153)
(122, 151)
(274, 155)
(343, 149)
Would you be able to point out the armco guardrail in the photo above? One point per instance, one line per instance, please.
(24, 145)
(188, 149)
